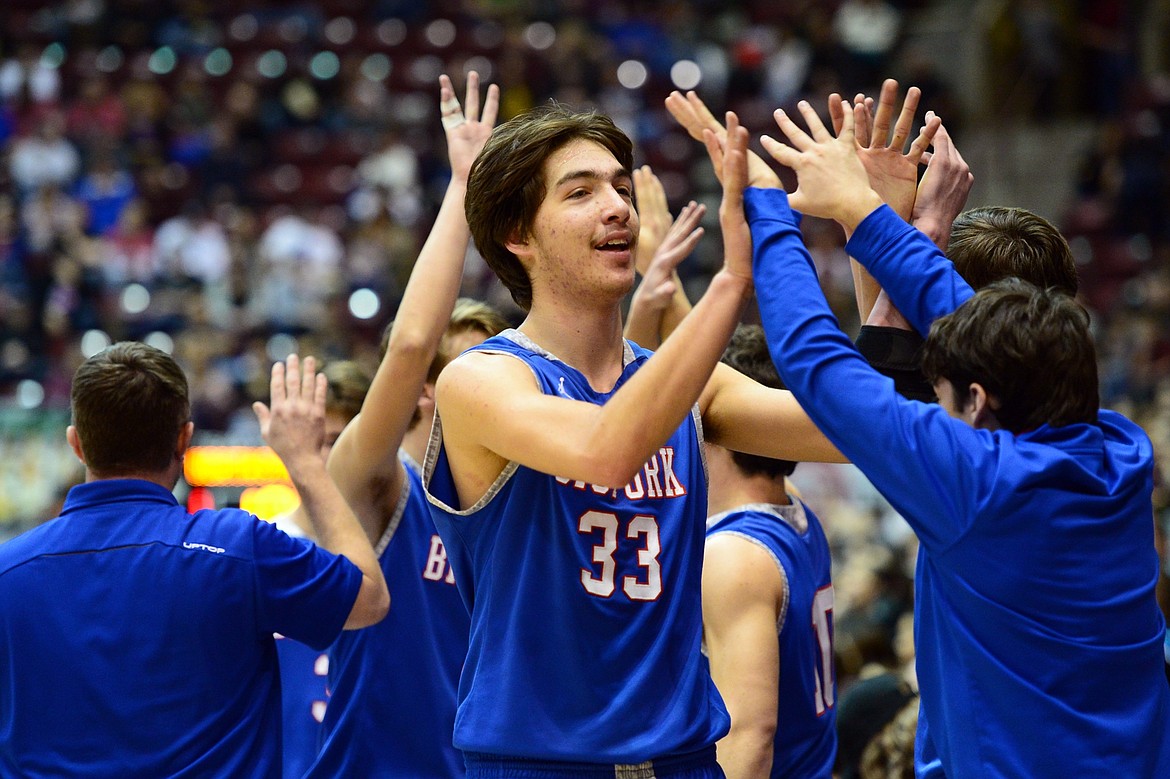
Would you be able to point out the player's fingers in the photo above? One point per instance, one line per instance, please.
(848, 133)
(276, 388)
(924, 139)
(796, 136)
(320, 393)
(262, 415)
(704, 114)
(780, 152)
(471, 99)
(714, 151)
(491, 106)
(860, 125)
(308, 378)
(905, 121)
(885, 113)
(835, 111)
(735, 163)
(816, 127)
(678, 107)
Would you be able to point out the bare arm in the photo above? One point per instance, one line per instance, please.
(294, 426)
(364, 460)
(742, 590)
(493, 412)
(745, 416)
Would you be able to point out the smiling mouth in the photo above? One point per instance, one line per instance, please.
(614, 246)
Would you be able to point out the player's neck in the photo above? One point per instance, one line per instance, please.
(588, 338)
(415, 441)
(743, 491)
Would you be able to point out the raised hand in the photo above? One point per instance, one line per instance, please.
(294, 424)
(943, 191)
(653, 213)
(466, 129)
(658, 280)
(732, 153)
(831, 180)
(893, 172)
(694, 117)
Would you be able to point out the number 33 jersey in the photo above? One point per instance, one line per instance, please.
(586, 619)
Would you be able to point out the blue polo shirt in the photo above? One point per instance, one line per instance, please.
(136, 639)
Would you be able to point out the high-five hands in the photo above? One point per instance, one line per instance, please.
(694, 116)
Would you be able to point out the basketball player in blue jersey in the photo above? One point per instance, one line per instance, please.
(566, 471)
(767, 606)
(135, 638)
(392, 707)
(303, 669)
(1037, 631)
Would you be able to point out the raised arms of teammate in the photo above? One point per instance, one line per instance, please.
(294, 426)
(738, 413)
(364, 461)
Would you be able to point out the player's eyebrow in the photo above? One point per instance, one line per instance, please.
(596, 175)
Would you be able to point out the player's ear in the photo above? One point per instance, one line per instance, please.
(517, 243)
(981, 408)
(74, 443)
(184, 441)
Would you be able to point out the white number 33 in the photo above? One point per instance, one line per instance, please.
(642, 529)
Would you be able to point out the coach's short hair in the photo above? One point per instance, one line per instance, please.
(129, 402)
(506, 185)
(747, 352)
(993, 242)
(1030, 348)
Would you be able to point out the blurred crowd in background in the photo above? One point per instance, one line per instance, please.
(232, 182)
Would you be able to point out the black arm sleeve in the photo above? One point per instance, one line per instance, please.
(897, 353)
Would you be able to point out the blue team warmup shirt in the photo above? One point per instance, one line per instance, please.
(136, 639)
(586, 619)
(1038, 635)
(805, 744)
(393, 685)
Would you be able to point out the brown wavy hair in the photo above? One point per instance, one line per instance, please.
(506, 185)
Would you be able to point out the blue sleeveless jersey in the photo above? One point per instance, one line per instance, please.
(586, 620)
(806, 722)
(392, 708)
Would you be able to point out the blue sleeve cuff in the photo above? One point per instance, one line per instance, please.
(760, 204)
(875, 230)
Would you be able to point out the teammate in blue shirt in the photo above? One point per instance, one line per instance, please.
(391, 712)
(1037, 631)
(767, 606)
(566, 477)
(135, 638)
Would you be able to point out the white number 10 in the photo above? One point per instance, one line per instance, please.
(641, 526)
(822, 620)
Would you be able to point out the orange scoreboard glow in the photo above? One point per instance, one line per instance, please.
(267, 492)
(233, 466)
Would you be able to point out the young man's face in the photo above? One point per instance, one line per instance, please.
(583, 237)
